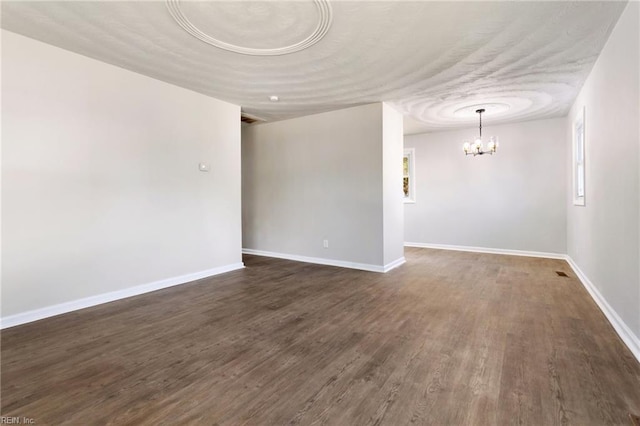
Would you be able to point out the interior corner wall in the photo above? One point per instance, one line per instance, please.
(513, 200)
(101, 190)
(604, 235)
(393, 207)
(316, 178)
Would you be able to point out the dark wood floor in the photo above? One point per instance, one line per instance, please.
(450, 338)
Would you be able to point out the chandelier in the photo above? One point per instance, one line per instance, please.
(476, 147)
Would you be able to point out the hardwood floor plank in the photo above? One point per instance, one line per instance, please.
(448, 338)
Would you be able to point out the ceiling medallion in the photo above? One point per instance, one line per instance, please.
(324, 22)
(492, 108)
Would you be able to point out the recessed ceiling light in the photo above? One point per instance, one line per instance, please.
(274, 98)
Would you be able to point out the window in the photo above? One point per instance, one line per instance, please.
(408, 180)
(578, 160)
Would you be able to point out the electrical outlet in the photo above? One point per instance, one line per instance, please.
(325, 243)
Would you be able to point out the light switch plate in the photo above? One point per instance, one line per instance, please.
(204, 167)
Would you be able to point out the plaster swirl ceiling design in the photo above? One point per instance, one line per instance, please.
(260, 10)
(433, 61)
(489, 109)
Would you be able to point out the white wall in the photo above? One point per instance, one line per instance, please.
(314, 178)
(604, 235)
(393, 208)
(100, 183)
(511, 200)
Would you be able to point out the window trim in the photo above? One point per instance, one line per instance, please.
(409, 153)
(578, 159)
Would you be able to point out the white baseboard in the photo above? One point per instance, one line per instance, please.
(328, 262)
(628, 337)
(392, 265)
(74, 305)
(488, 250)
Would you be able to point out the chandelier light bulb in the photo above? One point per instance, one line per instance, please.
(492, 146)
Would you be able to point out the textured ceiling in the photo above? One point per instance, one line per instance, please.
(434, 61)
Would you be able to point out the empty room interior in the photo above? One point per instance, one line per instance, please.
(320, 212)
